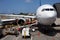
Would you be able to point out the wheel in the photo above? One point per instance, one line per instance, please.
(4, 32)
(53, 24)
(16, 33)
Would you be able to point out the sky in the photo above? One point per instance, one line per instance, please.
(26, 6)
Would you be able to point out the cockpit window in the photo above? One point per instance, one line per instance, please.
(48, 9)
(51, 9)
(45, 10)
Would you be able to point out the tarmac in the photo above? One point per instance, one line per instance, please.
(40, 34)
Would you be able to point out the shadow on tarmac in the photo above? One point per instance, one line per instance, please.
(48, 30)
(2, 36)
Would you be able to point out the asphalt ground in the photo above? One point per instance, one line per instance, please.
(34, 36)
(40, 34)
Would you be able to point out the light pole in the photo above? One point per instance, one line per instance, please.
(40, 2)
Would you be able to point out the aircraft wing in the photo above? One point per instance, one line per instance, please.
(30, 16)
(7, 20)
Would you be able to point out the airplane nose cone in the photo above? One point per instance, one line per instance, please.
(50, 15)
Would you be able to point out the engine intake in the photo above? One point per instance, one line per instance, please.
(21, 21)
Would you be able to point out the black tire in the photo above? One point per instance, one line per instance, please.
(16, 33)
(53, 24)
(4, 32)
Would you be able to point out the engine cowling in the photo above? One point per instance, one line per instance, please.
(21, 21)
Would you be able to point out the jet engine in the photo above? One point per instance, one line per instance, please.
(21, 21)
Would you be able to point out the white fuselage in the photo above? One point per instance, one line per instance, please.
(46, 15)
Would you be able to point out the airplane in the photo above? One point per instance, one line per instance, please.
(45, 14)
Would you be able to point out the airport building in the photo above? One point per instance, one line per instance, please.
(57, 7)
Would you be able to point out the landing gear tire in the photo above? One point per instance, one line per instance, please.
(4, 32)
(16, 33)
(53, 24)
